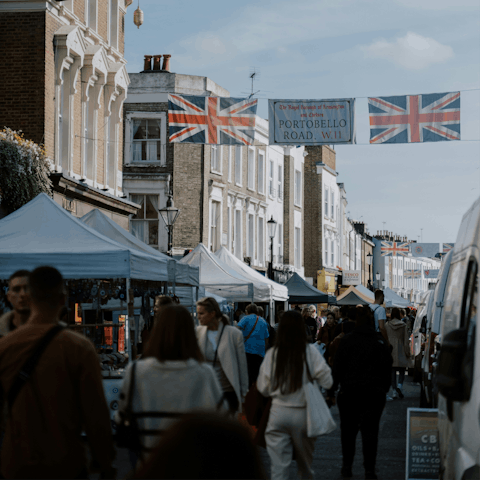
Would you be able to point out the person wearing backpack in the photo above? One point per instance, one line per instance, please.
(380, 315)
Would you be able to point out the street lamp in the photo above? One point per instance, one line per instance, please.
(272, 228)
(169, 215)
(377, 276)
(369, 262)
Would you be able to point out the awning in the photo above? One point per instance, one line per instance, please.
(300, 291)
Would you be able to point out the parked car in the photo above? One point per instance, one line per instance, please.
(458, 369)
(428, 399)
(418, 333)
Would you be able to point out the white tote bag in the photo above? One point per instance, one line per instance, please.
(319, 419)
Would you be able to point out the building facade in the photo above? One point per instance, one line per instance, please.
(64, 84)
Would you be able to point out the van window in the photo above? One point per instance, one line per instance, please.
(468, 321)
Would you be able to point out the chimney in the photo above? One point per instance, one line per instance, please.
(166, 63)
(147, 66)
(156, 62)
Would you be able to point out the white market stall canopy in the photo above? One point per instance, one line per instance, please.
(353, 296)
(43, 233)
(394, 300)
(179, 273)
(264, 289)
(219, 278)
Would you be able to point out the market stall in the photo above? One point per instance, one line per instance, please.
(394, 300)
(353, 296)
(300, 291)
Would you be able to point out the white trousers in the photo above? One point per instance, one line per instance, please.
(287, 431)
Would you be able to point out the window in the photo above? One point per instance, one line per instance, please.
(280, 242)
(147, 140)
(110, 152)
(89, 132)
(215, 212)
(113, 30)
(238, 166)
(251, 169)
(326, 201)
(271, 189)
(280, 181)
(251, 237)
(332, 253)
(261, 242)
(332, 204)
(238, 234)
(298, 188)
(298, 251)
(327, 243)
(230, 162)
(91, 14)
(216, 158)
(144, 225)
(229, 228)
(261, 173)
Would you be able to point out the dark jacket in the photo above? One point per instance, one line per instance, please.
(362, 362)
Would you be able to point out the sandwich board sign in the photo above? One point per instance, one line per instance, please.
(423, 453)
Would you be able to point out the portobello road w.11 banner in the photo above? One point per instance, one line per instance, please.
(311, 122)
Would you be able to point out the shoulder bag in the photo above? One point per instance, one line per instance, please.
(319, 418)
(248, 336)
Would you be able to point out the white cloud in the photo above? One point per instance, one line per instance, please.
(412, 51)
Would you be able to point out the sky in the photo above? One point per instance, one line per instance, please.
(313, 49)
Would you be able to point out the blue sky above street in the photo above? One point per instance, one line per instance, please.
(344, 49)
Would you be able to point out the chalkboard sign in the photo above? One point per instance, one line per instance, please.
(423, 453)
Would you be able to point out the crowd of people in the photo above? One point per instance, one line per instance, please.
(187, 389)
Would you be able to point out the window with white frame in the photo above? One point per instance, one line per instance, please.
(110, 152)
(216, 158)
(91, 14)
(261, 173)
(326, 244)
(298, 248)
(231, 154)
(229, 228)
(280, 181)
(238, 165)
(89, 130)
(251, 237)
(332, 253)
(326, 200)
(298, 188)
(332, 204)
(114, 22)
(144, 225)
(238, 234)
(215, 212)
(271, 188)
(261, 242)
(147, 141)
(280, 242)
(251, 168)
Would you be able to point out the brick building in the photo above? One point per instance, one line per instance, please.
(225, 193)
(64, 84)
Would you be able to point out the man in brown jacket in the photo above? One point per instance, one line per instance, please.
(63, 396)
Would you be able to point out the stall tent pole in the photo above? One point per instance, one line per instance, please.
(127, 323)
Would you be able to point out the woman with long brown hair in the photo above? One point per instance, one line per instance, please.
(223, 348)
(287, 367)
(171, 379)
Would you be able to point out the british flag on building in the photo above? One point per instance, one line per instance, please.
(447, 247)
(392, 249)
(213, 120)
(415, 118)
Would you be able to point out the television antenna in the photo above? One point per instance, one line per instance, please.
(254, 75)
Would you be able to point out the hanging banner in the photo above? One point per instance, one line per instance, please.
(311, 122)
(447, 247)
(431, 274)
(412, 273)
(428, 250)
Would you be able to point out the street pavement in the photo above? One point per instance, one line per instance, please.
(328, 452)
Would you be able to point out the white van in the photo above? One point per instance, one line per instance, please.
(458, 369)
(434, 320)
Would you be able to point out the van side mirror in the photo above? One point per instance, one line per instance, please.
(449, 378)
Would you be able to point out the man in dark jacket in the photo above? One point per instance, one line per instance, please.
(362, 368)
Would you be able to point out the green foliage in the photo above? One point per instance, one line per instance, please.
(24, 170)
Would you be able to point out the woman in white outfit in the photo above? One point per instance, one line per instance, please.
(170, 380)
(282, 376)
(223, 348)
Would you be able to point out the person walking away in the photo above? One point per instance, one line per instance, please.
(62, 398)
(18, 297)
(223, 348)
(171, 379)
(379, 314)
(398, 337)
(255, 333)
(362, 369)
(282, 376)
(327, 333)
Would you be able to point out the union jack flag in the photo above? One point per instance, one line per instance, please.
(415, 118)
(213, 120)
(392, 249)
(412, 273)
(447, 247)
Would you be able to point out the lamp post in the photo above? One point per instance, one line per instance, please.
(169, 215)
(369, 262)
(377, 277)
(272, 228)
